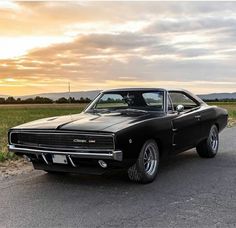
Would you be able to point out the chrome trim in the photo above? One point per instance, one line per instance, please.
(44, 158)
(72, 149)
(165, 102)
(169, 100)
(93, 102)
(111, 154)
(114, 143)
(71, 161)
(102, 164)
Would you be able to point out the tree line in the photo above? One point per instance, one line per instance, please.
(220, 100)
(42, 100)
(63, 100)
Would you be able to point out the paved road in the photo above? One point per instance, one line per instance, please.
(189, 192)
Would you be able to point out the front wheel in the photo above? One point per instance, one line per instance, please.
(146, 167)
(209, 147)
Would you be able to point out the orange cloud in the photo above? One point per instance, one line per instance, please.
(116, 44)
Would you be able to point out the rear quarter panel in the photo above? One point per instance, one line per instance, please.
(211, 115)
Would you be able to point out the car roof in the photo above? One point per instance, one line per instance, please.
(132, 89)
(145, 89)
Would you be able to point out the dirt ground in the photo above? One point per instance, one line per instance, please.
(14, 167)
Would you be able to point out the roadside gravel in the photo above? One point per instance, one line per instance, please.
(14, 167)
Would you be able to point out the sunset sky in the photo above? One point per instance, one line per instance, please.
(99, 45)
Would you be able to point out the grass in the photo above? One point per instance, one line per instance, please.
(13, 115)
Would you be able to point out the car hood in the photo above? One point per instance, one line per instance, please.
(86, 122)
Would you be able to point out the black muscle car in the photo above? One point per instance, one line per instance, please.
(130, 129)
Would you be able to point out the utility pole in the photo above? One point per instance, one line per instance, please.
(69, 92)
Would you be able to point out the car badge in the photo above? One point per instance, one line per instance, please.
(79, 140)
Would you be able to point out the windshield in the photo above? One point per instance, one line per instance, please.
(128, 101)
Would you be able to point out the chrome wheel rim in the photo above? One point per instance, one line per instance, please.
(214, 140)
(150, 159)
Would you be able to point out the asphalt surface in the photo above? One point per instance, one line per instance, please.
(188, 192)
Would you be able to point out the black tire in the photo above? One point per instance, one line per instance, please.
(209, 147)
(146, 167)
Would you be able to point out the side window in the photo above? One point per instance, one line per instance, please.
(179, 98)
(154, 99)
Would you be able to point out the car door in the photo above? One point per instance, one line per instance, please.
(186, 124)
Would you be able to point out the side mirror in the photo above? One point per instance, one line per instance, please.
(180, 108)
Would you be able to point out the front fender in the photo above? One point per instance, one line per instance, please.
(130, 140)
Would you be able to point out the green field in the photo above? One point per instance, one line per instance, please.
(13, 115)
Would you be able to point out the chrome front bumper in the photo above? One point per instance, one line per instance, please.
(79, 153)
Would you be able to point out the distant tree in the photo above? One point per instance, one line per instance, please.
(48, 100)
(28, 101)
(2, 100)
(83, 100)
(87, 100)
(42, 100)
(45, 100)
(10, 100)
(62, 100)
(72, 100)
(18, 100)
(38, 100)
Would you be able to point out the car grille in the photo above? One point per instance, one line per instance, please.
(62, 140)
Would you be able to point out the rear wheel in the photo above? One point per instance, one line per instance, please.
(209, 147)
(146, 167)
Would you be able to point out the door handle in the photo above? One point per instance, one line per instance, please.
(198, 117)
